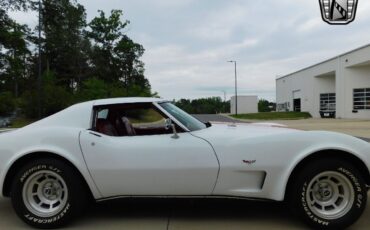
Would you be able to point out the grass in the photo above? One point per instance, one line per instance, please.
(274, 116)
(20, 122)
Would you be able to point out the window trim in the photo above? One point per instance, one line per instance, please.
(170, 116)
(329, 100)
(363, 100)
(154, 106)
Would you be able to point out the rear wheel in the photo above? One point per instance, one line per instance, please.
(329, 194)
(48, 193)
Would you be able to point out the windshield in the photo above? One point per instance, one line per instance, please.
(186, 119)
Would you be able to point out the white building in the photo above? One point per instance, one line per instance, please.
(246, 104)
(338, 87)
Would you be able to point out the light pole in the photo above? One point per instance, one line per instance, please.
(236, 89)
(39, 69)
(224, 91)
(224, 102)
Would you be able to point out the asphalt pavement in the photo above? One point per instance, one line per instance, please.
(214, 117)
(224, 118)
(162, 214)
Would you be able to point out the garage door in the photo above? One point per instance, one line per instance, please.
(297, 94)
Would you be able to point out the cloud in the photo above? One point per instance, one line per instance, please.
(310, 25)
(171, 54)
(168, 3)
(363, 8)
(220, 23)
(188, 42)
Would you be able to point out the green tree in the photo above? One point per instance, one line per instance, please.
(7, 103)
(185, 104)
(211, 105)
(264, 106)
(13, 53)
(92, 89)
(79, 61)
(54, 97)
(115, 57)
(105, 32)
(65, 49)
(15, 4)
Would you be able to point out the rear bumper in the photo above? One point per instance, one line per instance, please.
(327, 114)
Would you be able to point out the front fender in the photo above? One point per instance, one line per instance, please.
(324, 142)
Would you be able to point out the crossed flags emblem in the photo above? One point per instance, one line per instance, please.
(338, 11)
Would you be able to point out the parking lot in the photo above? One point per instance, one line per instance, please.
(180, 215)
(358, 128)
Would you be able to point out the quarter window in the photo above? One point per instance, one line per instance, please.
(361, 99)
(103, 114)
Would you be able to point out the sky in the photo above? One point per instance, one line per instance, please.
(188, 42)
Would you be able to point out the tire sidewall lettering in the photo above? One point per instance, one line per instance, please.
(49, 220)
(359, 198)
(357, 186)
(307, 209)
(31, 217)
(36, 168)
(32, 170)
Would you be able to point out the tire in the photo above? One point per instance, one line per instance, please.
(328, 194)
(48, 193)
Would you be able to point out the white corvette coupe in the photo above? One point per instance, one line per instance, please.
(132, 147)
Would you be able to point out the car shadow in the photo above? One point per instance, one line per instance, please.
(179, 214)
(195, 213)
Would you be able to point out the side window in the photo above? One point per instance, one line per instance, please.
(145, 118)
(130, 120)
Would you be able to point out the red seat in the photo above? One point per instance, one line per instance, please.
(106, 127)
(128, 126)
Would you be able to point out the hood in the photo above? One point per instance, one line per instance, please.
(233, 131)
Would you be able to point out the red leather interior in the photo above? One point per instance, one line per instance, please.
(104, 126)
(128, 126)
(121, 126)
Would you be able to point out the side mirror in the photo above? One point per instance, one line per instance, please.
(168, 125)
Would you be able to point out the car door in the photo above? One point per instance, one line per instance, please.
(150, 164)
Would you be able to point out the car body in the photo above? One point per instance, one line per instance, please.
(250, 160)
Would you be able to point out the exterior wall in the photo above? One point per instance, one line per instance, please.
(246, 104)
(338, 75)
(356, 77)
(311, 83)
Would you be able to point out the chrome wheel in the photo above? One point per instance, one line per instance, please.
(45, 193)
(330, 195)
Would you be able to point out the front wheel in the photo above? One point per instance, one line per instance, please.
(329, 194)
(47, 193)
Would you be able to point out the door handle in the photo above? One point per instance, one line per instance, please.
(95, 134)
